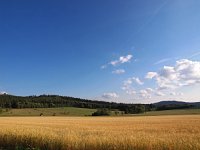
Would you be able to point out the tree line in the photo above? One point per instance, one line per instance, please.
(51, 101)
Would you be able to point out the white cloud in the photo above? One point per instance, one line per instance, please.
(184, 73)
(118, 71)
(137, 80)
(127, 85)
(176, 94)
(146, 93)
(168, 73)
(151, 75)
(128, 88)
(188, 70)
(168, 81)
(124, 59)
(149, 92)
(114, 63)
(110, 95)
(158, 93)
(143, 93)
(121, 60)
(128, 81)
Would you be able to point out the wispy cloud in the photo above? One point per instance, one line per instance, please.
(133, 80)
(118, 71)
(145, 93)
(121, 60)
(159, 93)
(176, 94)
(151, 75)
(137, 80)
(162, 61)
(104, 67)
(195, 54)
(127, 85)
(152, 16)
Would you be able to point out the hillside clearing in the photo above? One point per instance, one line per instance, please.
(61, 111)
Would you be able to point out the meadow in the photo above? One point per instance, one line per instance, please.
(73, 111)
(175, 132)
(60, 111)
(171, 112)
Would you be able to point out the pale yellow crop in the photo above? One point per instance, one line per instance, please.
(119, 133)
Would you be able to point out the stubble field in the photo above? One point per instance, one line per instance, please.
(101, 133)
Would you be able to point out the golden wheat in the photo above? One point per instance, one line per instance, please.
(120, 133)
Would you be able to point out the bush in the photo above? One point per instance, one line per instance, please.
(102, 112)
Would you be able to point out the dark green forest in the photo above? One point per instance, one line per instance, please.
(52, 101)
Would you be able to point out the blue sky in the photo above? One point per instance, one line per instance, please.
(101, 49)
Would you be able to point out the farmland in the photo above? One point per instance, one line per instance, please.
(61, 111)
(74, 133)
(73, 111)
(172, 112)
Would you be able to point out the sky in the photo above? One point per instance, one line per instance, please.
(133, 51)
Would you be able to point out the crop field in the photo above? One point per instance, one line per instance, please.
(181, 132)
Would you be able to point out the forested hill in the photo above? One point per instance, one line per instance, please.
(50, 101)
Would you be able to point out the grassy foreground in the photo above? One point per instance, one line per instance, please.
(73, 111)
(172, 112)
(101, 133)
(61, 111)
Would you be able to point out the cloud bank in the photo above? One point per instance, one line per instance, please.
(167, 80)
(184, 73)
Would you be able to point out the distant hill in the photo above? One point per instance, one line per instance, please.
(167, 105)
(161, 103)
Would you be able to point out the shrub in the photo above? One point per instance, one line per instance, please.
(102, 112)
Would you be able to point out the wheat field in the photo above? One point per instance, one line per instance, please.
(101, 133)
